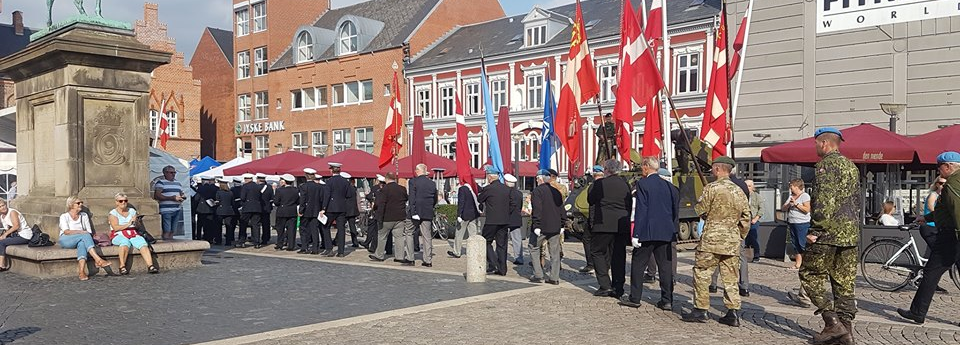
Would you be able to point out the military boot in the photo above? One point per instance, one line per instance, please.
(732, 318)
(696, 315)
(848, 338)
(832, 329)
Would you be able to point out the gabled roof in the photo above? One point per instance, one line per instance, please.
(10, 42)
(224, 40)
(399, 17)
(505, 35)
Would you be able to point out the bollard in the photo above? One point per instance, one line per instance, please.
(476, 259)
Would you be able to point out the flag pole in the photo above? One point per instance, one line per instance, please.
(668, 152)
(743, 56)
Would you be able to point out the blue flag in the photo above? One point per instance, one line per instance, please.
(549, 142)
(492, 139)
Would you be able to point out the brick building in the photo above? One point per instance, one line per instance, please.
(522, 51)
(212, 64)
(172, 84)
(322, 85)
(13, 38)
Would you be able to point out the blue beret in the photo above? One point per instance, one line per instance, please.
(553, 172)
(664, 172)
(491, 170)
(948, 157)
(597, 169)
(828, 130)
(543, 172)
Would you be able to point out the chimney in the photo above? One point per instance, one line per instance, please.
(18, 22)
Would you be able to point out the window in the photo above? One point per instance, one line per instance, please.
(341, 140)
(474, 152)
(319, 143)
(263, 146)
(309, 98)
(365, 139)
(423, 102)
(366, 93)
(608, 78)
(243, 22)
(154, 121)
(498, 93)
(688, 73)
(260, 61)
(338, 94)
(172, 124)
(243, 107)
(260, 16)
(304, 47)
(446, 101)
(473, 99)
(352, 92)
(348, 38)
(448, 150)
(262, 103)
(296, 99)
(243, 65)
(297, 143)
(535, 91)
(321, 97)
(534, 148)
(536, 36)
(386, 90)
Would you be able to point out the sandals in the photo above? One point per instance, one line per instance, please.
(124, 271)
(153, 269)
(102, 264)
(83, 276)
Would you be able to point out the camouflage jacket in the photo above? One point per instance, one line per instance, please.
(947, 213)
(726, 214)
(607, 131)
(835, 202)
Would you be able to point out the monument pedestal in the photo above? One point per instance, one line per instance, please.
(83, 124)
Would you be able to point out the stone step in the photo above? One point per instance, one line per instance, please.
(56, 262)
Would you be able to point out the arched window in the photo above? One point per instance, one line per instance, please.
(154, 121)
(304, 47)
(348, 38)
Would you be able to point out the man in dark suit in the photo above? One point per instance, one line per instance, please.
(238, 221)
(547, 221)
(325, 242)
(250, 210)
(610, 203)
(336, 210)
(226, 210)
(420, 209)
(468, 217)
(373, 223)
(207, 227)
(495, 198)
(353, 211)
(287, 199)
(266, 201)
(390, 207)
(310, 202)
(655, 226)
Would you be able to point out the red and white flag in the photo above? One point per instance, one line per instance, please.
(653, 26)
(579, 85)
(739, 42)
(714, 129)
(639, 80)
(164, 135)
(464, 156)
(393, 129)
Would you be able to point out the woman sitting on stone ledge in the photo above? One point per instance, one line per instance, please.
(15, 231)
(76, 232)
(124, 234)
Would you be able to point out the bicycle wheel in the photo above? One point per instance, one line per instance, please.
(955, 275)
(440, 227)
(891, 277)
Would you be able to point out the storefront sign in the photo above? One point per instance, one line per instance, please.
(836, 15)
(260, 127)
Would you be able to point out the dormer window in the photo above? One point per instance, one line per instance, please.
(304, 47)
(348, 38)
(536, 36)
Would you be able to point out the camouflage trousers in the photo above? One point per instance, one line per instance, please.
(706, 264)
(838, 265)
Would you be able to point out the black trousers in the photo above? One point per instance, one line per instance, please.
(496, 259)
(287, 232)
(664, 256)
(252, 220)
(309, 234)
(373, 226)
(207, 228)
(230, 226)
(610, 259)
(586, 239)
(945, 252)
(352, 222)
(341, 220)
(265, 228)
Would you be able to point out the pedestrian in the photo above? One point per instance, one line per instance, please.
(516, 219)
(123, 234)
(169, 195)
(373, 223)
(928, 230)
(945, 248)
(587, 237)
(756, 212)
(610, 202)
(226, 210)
(468, 217)
(726, 213)
(887, 218)
(241, 223)
(266, 208)
(353, 211)
(495, 198)
(336, 210)
(743, 281)
(326, 243)
(390, 207)
(547, 221)
(797, 207)
(311, 203)
(207, 228)
(251, 209)
(287, 200)
(420, 210)
(655, 225)
(831, 253)
(76, 233)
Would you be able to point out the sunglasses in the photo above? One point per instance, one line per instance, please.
(122, 201)
(78, 203)
(169, 172)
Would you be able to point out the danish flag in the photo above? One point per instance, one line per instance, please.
(714, 129)
(579, 85)
(393, 129)
(639, 80)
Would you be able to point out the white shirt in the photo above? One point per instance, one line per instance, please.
(81, 223)
(888, 220)
(25, 231)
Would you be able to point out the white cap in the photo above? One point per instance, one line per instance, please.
(309, 171)
(206, 178)
(381, 178)
(247, 176)
(288, 178)
(334, 165)
(345, 175)
(510, 178)
(261, 175)
(224, 180)
(237, 179)
(318, 177)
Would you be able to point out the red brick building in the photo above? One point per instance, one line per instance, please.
(322, 85)
(212, 64)
(172, 84)
(522, 51)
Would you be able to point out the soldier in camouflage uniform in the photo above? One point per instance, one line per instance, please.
(726, 214)
(831, 253)
(606, 140)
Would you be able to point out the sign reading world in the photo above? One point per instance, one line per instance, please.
(260, 127)
(837, 15)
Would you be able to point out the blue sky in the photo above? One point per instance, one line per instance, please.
(186, 19)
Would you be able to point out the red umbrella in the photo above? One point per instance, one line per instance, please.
(272, 165)
(503, 136)
(932, 144)
(357, 163)
(863, 144)
(433, 161)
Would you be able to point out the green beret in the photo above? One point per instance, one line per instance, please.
(725, 160)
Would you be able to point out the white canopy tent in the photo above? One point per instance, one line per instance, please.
(218, 171)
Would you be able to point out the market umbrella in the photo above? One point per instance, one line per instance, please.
(357, 163)
(433, 161)
(932, 144)
(863, 144)
(272, 165)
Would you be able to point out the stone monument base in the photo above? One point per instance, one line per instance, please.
(56, 262)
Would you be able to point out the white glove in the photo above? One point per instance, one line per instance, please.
(636, 242)
(536, 231)
(416, 217)
(562, 231)
(459, 220)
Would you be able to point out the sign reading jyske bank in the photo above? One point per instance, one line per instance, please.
(836, 15)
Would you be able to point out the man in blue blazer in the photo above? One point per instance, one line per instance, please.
(654, 230)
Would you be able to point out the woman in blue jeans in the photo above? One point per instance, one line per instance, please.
(798, 217)
(124, 234)
(15, 231)
(75, 232)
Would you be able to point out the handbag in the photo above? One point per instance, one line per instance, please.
(103, 240)
(39, 239)
(142, 230)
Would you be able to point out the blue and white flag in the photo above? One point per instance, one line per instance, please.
(496, 159)
(548, 142)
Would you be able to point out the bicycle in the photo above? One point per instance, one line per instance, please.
(440, 226)
(889, 264)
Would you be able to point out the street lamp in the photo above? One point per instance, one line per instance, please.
(893, 109)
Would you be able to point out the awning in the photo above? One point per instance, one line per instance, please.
(272, 165)
(932, 144)
(863, 144)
